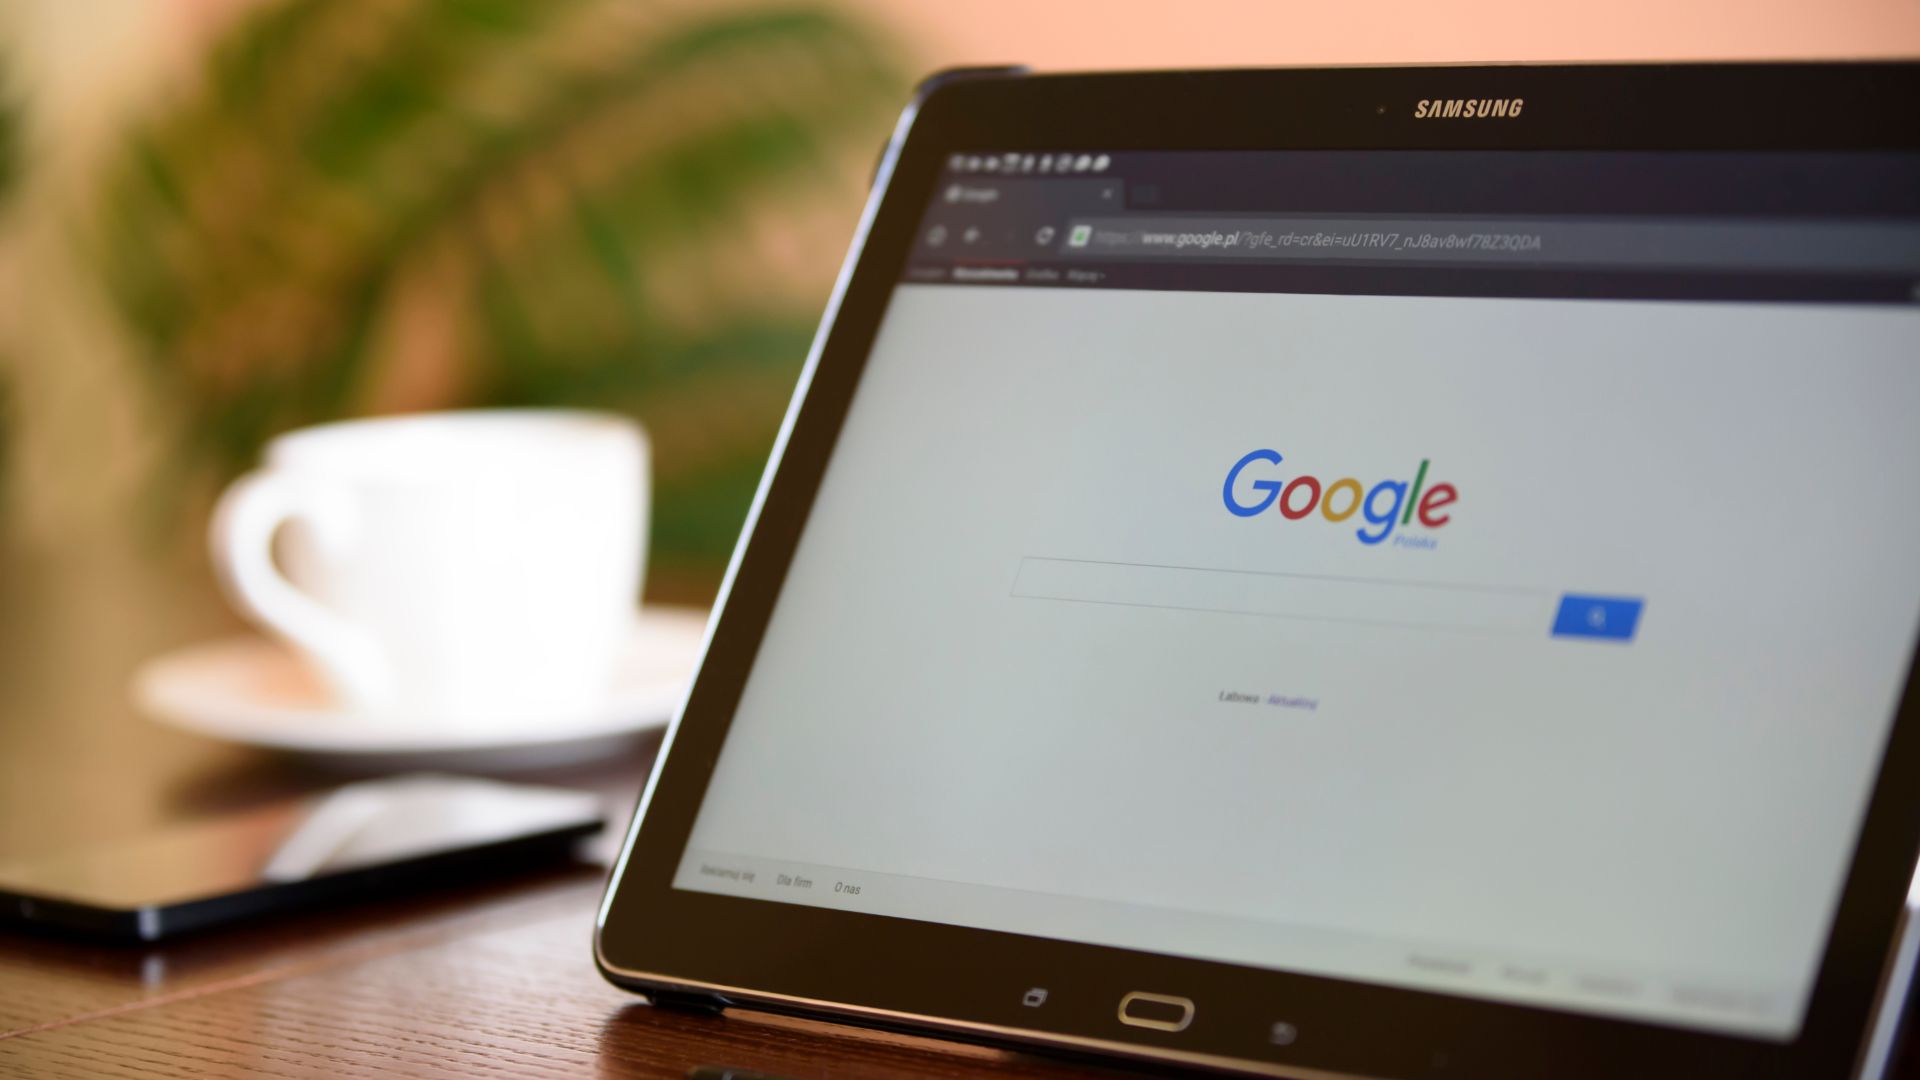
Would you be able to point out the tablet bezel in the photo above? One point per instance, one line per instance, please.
(967, 982)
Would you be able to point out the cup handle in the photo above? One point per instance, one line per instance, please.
(250, 513)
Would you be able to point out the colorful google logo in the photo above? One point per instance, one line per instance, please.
(1386, 504)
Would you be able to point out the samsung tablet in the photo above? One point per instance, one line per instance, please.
(1391, 572)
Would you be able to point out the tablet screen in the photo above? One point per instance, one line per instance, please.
(1482, 573)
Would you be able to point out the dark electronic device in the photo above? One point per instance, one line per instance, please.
(354, 842)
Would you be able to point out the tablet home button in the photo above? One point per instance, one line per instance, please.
(1161, 1012)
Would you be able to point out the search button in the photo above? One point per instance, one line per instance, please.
(1608, 618)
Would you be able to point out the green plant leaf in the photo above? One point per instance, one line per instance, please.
(560, 173)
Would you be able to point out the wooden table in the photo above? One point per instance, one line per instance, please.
(492, 981)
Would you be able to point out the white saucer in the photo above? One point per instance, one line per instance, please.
(256, 691)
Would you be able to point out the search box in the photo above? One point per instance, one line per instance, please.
(1369, 601)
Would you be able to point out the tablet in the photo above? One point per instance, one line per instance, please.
(1380, 572)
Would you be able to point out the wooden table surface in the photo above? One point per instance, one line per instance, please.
(490, 981)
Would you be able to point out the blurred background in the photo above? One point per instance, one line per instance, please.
(221, 219)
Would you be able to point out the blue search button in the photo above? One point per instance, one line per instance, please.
(1609, 618)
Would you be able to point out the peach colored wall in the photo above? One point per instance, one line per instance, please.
(1092, 34)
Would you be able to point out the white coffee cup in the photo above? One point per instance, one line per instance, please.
(474, 569)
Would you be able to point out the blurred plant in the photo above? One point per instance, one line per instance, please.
(9, 169)
(9, 136)
(519, 203)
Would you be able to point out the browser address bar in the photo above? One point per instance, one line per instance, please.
(1815, 246)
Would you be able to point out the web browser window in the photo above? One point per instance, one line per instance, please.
(1478, 573)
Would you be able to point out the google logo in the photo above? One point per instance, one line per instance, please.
(1386, 504)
